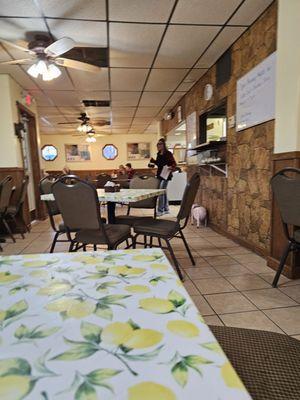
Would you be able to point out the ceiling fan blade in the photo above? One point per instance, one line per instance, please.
(22, 61)
(66, 62)
(67, 123)
(59, 47)
(16, 46)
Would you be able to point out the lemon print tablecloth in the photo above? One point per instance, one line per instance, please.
(110, 325)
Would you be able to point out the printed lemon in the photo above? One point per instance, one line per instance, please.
(116, 333)
(7, 277)
(144, 258)
(2, 315)
(150, 391)
(35, 264)
(55, 288)
(80, 309)
(39, 274)
(14, 387)
(156, 305)
(87, 259)
(135, 271)
(59, 305)
(142, 338)
(230, 377)
(183, 328)
(159, 267)
(120, 270)
(137, 289)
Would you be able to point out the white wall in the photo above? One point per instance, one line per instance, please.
(287, 122)
(10, 150)
(97, 160)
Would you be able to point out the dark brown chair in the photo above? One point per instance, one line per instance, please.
(150, 182)
(6, 188)
(167, 229)
(102, 179)
(15, 212)
(286, 189)
(266, 362)
(53, 210)
(80, 210)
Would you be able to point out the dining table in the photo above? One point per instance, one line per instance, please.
(112, 198)
(106, 325)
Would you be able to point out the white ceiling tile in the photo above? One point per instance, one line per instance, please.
(133, 10)
(67, 111)
(125, 98)
(120, 120)
(128, 79)
(67, 98)
(183, 44)
(16, 28)
(41, 98)
(98, 112)
(142, 121)
(63, 82)
(89, 80)
(191, 79)
(154, 98)
(165, 79)
(123, 111)
(147, 111)
(48, 111)
(91, 9)
(174, 99)
(84, 33)
(204, 11)
(19, 8)
(119, 130)
(97, 95)
(226, 38)
(249, 11)
(133, 45)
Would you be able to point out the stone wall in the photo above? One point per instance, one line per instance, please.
(240, 204)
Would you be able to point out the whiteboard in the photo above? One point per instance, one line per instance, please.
(255, 102)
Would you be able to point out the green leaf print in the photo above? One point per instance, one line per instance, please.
(25, 333)
(91, 332)
(99, 375)
(16, 309)
(77, 352)
(14, 366)
(213, 346)
(180, 373)
(176, 298)
(85, 392)
(103, 312)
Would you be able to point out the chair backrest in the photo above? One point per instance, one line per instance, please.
(6, 186)
(23, 192)
(102, 179)
(286, 189)
(188, 198)
(46, 188)
(78, 203)
(149, 182)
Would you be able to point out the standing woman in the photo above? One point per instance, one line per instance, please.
(164, 158)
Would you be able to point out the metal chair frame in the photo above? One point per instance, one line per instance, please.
(4, 206)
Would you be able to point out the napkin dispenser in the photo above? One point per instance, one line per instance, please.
(111, 187)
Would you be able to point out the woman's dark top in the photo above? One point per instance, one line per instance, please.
(164, 159)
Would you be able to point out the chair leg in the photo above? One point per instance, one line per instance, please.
(15, 222)
(134, 241)
(95, 247)
(151, 242)
(187, 248)
(159, 242)
(71, 246)
(54, 242)
(84, 247)
(174, 260)
(145, 241)
(281, 264)
(7, 227)
(127, 244)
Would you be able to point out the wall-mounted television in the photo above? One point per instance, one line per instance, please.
(213, 124)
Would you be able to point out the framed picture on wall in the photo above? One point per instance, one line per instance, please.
(138, 151)
(77, 152)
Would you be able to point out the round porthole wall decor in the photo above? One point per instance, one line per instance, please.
(110, 152)
(49, 152)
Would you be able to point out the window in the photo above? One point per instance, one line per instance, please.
(110, 152)
(49, 152)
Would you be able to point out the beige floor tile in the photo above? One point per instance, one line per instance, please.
(269, 298)
(250, 320)
(220, 260)
(248, 282)
(296, 337)
(249, 258)
(292, 291)
(223, 303)
(186, 262)
(202, 305)
(202, 271)
(213, 320)
(191, 288)
(288, 319)
(257, 268)
(209, 252)
(183, 254)
(232, 270)
(269, 277)
(237, 250)
(214, 285)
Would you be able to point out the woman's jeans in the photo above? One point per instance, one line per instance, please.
(163, 204)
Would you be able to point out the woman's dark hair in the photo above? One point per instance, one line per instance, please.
(128, 165)
(163, 142)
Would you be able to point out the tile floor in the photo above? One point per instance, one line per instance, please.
(230, 285)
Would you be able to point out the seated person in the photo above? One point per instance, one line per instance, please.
(122, 170)
(129, 170)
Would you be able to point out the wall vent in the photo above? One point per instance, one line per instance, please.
(96, 103)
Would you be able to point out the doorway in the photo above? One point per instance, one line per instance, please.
(31, 163)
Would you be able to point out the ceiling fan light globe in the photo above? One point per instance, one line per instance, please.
(90, 139)
(32, 71)
(47, 76)
(41, 67)
(54, 71)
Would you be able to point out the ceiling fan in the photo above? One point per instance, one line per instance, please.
(85, 125)
(44, 57)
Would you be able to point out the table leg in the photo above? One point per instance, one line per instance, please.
(111, 207)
